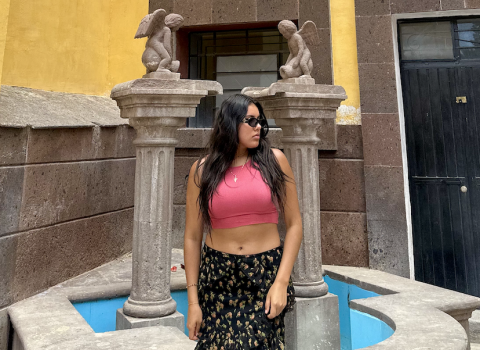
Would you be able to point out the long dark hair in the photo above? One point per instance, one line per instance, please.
(221, 150)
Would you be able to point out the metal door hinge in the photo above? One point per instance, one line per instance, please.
(461, 99)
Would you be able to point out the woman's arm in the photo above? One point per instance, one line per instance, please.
(293, 239)
(191, 249)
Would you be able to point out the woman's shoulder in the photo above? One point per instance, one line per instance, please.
(279, 155)
(195, 165)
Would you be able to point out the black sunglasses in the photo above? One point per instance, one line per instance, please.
(254, 121)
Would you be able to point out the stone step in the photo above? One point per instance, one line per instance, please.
(474, 346)
(474, 324)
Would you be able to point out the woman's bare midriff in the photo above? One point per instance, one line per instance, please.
(244, 240)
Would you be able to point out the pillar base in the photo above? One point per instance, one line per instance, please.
(149, 309)
(311, 290)
(313, 324)
(127, 322)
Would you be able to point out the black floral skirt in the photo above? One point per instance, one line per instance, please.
(232, 290)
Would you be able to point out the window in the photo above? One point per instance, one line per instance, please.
(468, 38)
(426, 40)
(454, 40)
(236, 59)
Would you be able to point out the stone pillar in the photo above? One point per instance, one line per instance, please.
(306, 113)
(156, 108)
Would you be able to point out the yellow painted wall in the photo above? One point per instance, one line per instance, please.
(78, 46)
(4, 10)
(344, 56)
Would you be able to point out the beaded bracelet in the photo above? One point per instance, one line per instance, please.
(191, 285)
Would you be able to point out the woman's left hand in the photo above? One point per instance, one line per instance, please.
(276, 299)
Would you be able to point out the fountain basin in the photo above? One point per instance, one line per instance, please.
(420, 315)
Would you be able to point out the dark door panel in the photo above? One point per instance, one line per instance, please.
(443, 159)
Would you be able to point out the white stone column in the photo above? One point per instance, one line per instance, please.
(306, 113)
(156, 108)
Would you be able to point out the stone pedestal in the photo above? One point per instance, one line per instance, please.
(127, 322)
(313, 324)
(306, 113)
(156, 108)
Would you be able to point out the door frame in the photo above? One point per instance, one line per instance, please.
(395, 18)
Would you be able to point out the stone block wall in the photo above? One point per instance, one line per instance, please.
(67, 199)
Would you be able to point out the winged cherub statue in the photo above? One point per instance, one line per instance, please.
(158, 54)
(299, 62)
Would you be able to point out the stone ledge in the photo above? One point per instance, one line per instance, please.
(113, 279)
(422, 315)
(21, 107)
(50, 321)
(474, 323)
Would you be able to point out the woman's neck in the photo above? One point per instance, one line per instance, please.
(241, 157)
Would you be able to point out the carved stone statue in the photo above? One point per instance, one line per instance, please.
(158, 54)
(299, 62)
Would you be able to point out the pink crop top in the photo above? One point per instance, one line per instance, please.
(245, 202)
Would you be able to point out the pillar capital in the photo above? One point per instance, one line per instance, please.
(305, 111)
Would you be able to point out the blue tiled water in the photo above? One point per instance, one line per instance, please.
(357, 329)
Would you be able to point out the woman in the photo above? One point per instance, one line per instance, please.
(239, 295)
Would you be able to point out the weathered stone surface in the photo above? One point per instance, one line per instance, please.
(474, 325)
(349, 142)
(472, 4)
(384, 191)
(8, 251)
(167, 5)
(243, 11)
(342, 185)
(453, 4)
(181, 170)
(193, 12)
(13, 145)
(378, 92)
(21, 106)
(158, 338)
(114, 279)
(402, 6)
(4, 329)
(65, 191)
(124, 136)
(39, 266)
(322, 58)
(374, 39)
(313, 324)
(388, 247)
(381, 139)
(317, 11)
(192, 137)
(61, 144)
(176, 320)
(11, 188)
(178, 230)
(276, 10)
(372, 7)
(45, 319)
(344, 239)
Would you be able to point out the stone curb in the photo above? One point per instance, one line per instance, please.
(423, 316)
